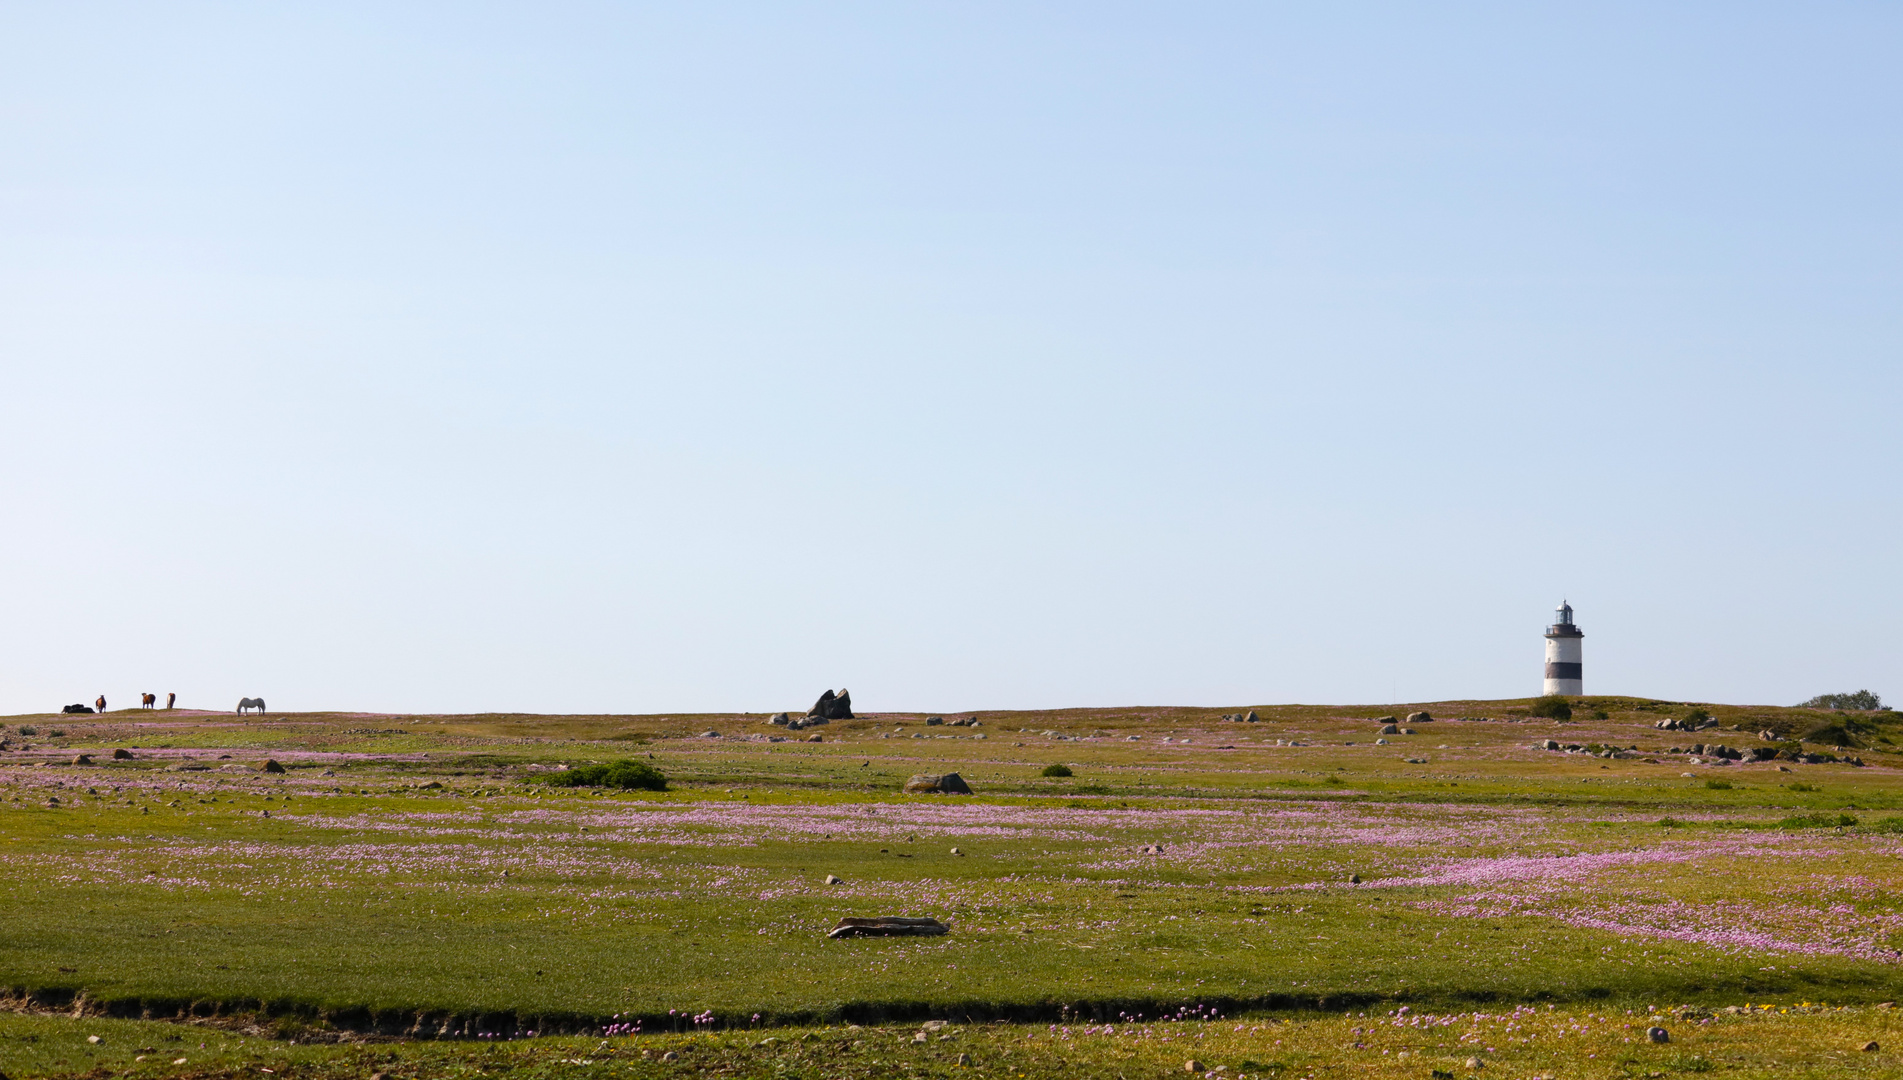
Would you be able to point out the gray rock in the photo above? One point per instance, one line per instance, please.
(122, 754)
(1250, 717)
(271, 766)
(1390, 729)
(1421, 717)
(83, 759)
(831, 880)
(888, 926)
(934, 721)
(929, 784)
(831, 706)
(1658, 1035)
(1550, 744)
(779, 718)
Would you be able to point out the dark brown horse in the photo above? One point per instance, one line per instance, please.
(101, 703)
(146, 701)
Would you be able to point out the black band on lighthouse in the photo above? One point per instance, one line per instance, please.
(1562, 671)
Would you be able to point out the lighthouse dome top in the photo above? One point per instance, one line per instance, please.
(1563, 626)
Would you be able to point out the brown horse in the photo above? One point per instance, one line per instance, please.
(169, 699)
(146, 701)
(101, 703)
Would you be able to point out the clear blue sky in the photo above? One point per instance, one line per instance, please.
(705, 356)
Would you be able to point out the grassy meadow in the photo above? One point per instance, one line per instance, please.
(410, 886)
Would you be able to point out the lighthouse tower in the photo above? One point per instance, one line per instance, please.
(1562, 654)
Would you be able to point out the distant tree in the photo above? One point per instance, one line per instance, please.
(1861, 701)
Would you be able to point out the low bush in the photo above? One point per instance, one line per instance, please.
(1671, 823)
(1552, 707)
(630, 775)
(1056, 770)
(1861, 701)
(1887, 825)
(1818, 821)
(1800, 786)
(1718, 785)
(56, 733)
(29, 729)
(1834, 734)
(1697, 716)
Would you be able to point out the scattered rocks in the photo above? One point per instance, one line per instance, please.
(889, 926)
(929, 784)
(1658, 1035)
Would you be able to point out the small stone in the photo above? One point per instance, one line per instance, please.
(1870, 1048)
(955, 851)
(83, 759)
(1381, 742)
(920, 1037)
(1473, 1063)
(710, 734)
(1192, 1065)
(670, 1056)
(1658, 1035)
(1886, 1004)
(94, 1039)
(1354, 879)
(831, 880)
(122, 754)
(964, 1059)
(271, 766)
(815, 737)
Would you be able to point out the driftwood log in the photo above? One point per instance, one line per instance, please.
(888, 926)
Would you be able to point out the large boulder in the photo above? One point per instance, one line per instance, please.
(1421, 717)
(929, 784)
(832, 706)
(77, 709)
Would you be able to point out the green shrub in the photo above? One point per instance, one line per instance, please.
(1800, 786)
(1833, 734)
(1818, 821)
(1336, 780)
(1671, 823)
(1697, 716)
(631, 775)
(1887, 825)
(1861, 701)
(1056, 770)
(1718, 785)
(1553, 707)
(56, 733)
(29, 729)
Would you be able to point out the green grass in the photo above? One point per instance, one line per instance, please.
(433, 879)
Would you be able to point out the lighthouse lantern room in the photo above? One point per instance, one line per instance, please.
(1563, 653)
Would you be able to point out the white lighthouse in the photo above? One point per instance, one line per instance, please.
(1562, 654)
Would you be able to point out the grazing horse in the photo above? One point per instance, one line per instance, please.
(146, 701)
(101, 703)
(251, 703)
(169, 699)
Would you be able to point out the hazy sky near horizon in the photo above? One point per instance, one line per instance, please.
(635, 358)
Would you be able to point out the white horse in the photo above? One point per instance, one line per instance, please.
(251, 703)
